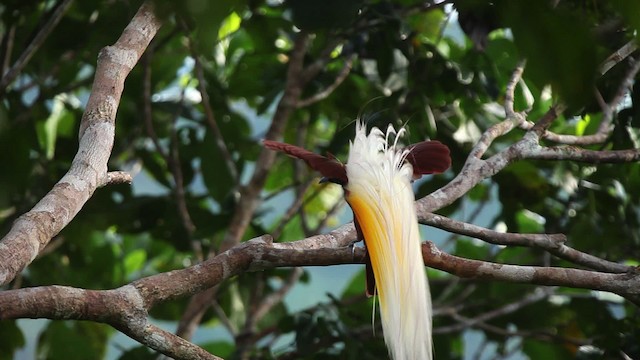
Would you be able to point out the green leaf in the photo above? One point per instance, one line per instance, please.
(471, 248)
(11, 340)
(134, 261)
(529, 222)
(73, 341)
(59, 122)
(139, 353)
(230, 25)
(215, 173)
(559, 47)
(221, 349)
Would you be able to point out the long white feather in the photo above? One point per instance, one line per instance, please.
(380, 194)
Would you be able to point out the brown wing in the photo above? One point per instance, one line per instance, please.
(428, 157)
(370, 280)
(330, 168)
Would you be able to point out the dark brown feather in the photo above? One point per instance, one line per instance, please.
(330, 168)
(370, 280)
(428, 157)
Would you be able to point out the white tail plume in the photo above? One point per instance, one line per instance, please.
(380, 194)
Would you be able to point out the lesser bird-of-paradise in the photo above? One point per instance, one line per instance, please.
(377, 183)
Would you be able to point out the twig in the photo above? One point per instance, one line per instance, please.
(618, 56)
(210, 117)
(172, 158)
(543, 124)
(509, 94)
(34, 45)
(534, 297)
(9, 38)
(231, 328)
(608, 111)
(250, 194)
(147, 107)
(342, 75)
(513, 119)
(176, 170)
(330, 213)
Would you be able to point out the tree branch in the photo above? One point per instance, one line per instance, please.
(537, 295)
(623, 284)
(553, 243)
(261, 253)
(344, 72)
(32, 231)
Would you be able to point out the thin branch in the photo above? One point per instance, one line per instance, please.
(543, 124)
(147, 107)
(313, 69)
(553, 243)
(538, 335)
(224, 319)
(620, 54)
(250, 194)
(34, 45)
(608, 111)
(172, 158)
(342, 75)
(621, 284)
(9, 39)
(539, 294)
(582, 155)
(276, 297)
(210, 116)
(180, 193)
(625, 84)
(513, 119)
(328, 215)
(509, 94)
(248, 336)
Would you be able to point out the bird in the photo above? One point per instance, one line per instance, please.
(377, 181)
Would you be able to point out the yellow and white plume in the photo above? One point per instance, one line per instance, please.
(379, 192)
(377, 183)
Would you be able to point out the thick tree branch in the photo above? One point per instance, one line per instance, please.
(260, 254)
(32, 231)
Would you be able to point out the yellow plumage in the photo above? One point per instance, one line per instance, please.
(380, 194)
